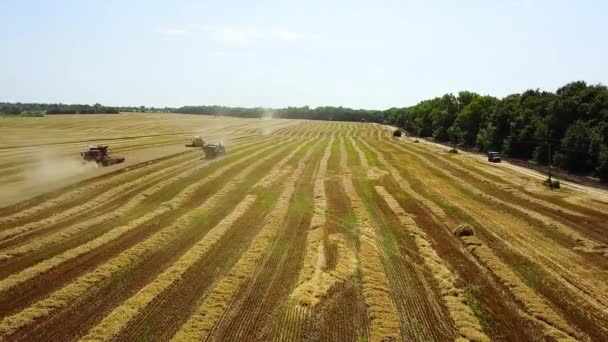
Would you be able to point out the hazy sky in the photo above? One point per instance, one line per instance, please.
(363, 54)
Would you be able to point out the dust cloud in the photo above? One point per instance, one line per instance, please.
(49, 167)
(267, 119)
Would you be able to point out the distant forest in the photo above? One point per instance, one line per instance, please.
(318, 113)
(573, 122)
(41, 109)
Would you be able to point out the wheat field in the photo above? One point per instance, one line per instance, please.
(303, 230)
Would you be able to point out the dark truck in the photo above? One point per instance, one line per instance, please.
(493, 157)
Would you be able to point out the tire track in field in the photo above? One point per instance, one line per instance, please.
(535, 306)
(121, 316)
(212, 309)
(84, 283)
(383, 315)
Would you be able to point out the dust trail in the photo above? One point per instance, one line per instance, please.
(50, 167)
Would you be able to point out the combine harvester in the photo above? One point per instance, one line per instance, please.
(211, 150)
(197, 141)
(99, 154)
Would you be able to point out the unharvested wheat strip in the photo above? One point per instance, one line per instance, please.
(84, 283)
(588, 246)
(384, 318)
(465, 321)
(314, 282)
(405, 185)
(175, 202)
(314, 257)
(107, 182)
(213, 307)
(121, 211)
(120, 317)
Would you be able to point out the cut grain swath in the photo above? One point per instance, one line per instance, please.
(213, 307)
(81, 285)
(467, 324)
(314, 281)
(436, 210)
(384, 321)
(118, 319)
(555, 326)
(112, 324)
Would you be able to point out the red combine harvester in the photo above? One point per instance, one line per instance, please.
(99, 154)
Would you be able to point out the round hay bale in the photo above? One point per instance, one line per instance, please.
(464, 230)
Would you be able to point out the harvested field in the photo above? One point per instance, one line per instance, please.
(303, 230)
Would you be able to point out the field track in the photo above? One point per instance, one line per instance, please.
(304, 230)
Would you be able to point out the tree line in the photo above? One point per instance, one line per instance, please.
(40, 109)
(318, 113)
(568, 128)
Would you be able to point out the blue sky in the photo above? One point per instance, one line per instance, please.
(362, 54)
